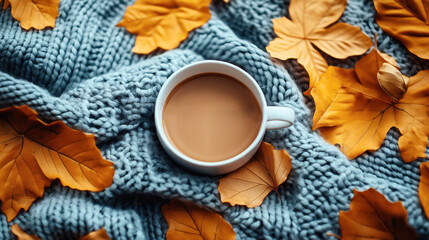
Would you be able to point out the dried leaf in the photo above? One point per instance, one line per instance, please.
(406, 20)
(96, 235)
(100, 234)
(392, 81)
(163, 24)
(21, 235)
(372, 216)
(188, 221)
(311, 26)
(424, 187)
(37, 14)
(250, 184)
(6, 3)
(355, 112)
(32, 153)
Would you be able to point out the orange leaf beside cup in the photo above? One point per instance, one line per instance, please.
(250, 184)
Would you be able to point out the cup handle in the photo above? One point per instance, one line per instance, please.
(279, 117)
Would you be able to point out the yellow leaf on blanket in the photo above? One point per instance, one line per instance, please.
(32, 153)
(250, 184)
(37, 14)
(372, 216)
(188, 221)
(356, 112)
(163, 24)
(21, 235)
(406, 20)
(311, 26)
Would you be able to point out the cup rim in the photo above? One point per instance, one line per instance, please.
(158, 115)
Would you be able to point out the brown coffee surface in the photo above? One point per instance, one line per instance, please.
(211, 117)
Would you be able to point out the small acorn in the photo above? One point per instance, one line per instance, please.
(392, 81)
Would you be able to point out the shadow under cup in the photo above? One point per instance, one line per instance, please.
(234, 85)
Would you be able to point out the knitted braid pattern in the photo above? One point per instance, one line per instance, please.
(84, 73)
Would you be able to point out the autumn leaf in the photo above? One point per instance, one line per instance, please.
(96, 235)
(100, 234)
(6, 3)
(250, 184)
(353, 110)
(32, 153)
(424, 187)
(188, 221)
(406, 20)
(37, 14)
(310, 27)
(372, 216)
(163, 24)
(21, 235)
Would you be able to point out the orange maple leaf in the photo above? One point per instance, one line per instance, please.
(6, 3)
(311, 26)
(406, 20)
(164, 24)
(37, 14)
(355, 112)
(250, 184)
(188, 221)
(100, 234)
(424, 187)
(21, 235)
(372, 216)
(32, 153)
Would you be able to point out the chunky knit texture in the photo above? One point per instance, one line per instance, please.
(84, 73)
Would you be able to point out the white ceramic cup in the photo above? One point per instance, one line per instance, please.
(273, 117)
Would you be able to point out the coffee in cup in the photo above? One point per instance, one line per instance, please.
(211, 117)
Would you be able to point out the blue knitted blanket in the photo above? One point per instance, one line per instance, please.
(84, 73)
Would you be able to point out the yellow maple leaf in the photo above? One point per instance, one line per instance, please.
(311, 26)
(32, 153)
(406, 20)
(250, 184)
(163, 24)
(353, 110)
(37, 14)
